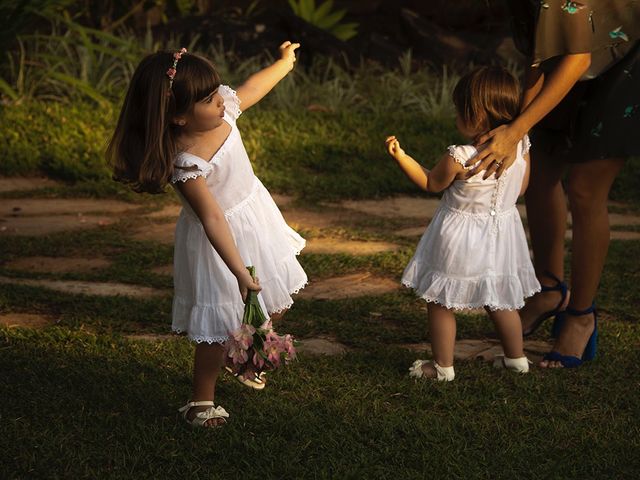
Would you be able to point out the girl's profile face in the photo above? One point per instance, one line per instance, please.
(207, 114)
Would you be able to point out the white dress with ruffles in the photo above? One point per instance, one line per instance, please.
(474, 252)
(207, 304)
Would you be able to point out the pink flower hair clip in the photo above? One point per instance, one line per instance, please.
(171, 73)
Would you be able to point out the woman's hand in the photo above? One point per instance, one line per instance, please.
(393, 147)
(246, 283)
(287, 53)
(496, 151)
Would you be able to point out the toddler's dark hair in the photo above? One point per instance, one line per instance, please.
(487, 97)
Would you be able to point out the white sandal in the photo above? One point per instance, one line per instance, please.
(257, 382)
(444, 374)
(518, 365)
(201, 418)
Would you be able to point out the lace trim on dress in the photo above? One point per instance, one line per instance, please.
(198, 168)
(502, 213)
(453, 151)
(187, 175)
(202, 338)
(467, 306)
(526, 144)
(234, 107)
(290, 303)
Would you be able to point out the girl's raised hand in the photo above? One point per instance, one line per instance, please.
(393, 147)
(246, 283)
(287, 52)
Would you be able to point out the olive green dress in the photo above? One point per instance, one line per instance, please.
(600, 116)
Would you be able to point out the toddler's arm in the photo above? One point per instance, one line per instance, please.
(434, 180)
(215, 226)
(261, 83)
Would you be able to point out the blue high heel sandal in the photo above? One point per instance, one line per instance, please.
(561, 287)
(590, 349)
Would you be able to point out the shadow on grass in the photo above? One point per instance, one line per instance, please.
(100, 407)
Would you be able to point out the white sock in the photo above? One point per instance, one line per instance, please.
(445, 374)
(520, 365)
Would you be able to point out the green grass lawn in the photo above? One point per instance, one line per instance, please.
(79, 400)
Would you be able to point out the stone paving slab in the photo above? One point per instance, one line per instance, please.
(410, 207)
(168, 211)
(62, 206)
(353, 247)
(152, 337)
(26, 320)
(321, 346)
(89, 288)
(57, 264)
(484, 349)
(16, 184)
(45, 225)
(349, 286)
(163, 270)
(157, 232)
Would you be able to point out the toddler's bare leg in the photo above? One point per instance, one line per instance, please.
(509, 330)
(442, 331)
(209, 360)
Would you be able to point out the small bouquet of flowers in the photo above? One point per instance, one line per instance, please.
(256, 344)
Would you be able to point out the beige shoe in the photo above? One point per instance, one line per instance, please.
(201, 418)
(258, 382)
(444, 374)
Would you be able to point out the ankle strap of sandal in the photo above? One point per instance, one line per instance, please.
(202, 403)
(559, 286)
(576, 313)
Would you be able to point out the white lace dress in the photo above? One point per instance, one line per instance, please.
(474, 252)
(207, 304)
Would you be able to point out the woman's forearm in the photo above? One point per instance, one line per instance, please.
(533, 81)
(550, 89)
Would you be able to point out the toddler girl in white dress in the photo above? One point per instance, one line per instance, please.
(474, 253)
(178, 125)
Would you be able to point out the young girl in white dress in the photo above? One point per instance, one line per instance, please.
(178, 125)
(474, 253)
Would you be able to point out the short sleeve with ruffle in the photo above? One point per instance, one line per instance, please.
(231, 102)
(463, 154)
(526, 144)
(187, 167)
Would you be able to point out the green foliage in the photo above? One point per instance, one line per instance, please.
(73, 62)
(64, 141)
(325, 17)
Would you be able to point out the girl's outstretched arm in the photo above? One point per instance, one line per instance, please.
(434, 180)
(215, 226)
(261, 83)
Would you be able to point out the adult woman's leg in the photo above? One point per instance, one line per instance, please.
(588, 189)
(547, 219)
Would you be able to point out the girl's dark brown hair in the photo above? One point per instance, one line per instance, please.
(143, 146)
(487, 97)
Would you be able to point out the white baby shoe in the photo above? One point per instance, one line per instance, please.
(445, 374)
(519, 365)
